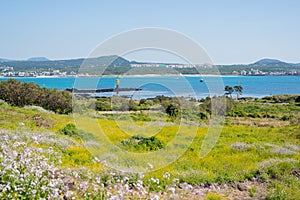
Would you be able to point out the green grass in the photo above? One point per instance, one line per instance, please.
(12, 118)
(241, 152)
(223, 163)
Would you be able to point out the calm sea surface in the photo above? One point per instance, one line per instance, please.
(187, 86)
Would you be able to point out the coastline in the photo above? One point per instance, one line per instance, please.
(279, 84)
(145, 75)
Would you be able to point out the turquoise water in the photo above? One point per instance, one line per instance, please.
(187, 86)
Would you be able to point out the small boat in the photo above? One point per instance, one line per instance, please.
(201, 80)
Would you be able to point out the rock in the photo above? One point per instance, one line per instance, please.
(207, 184)
(296, 173)
(253, 179)
(243, 187)
(225, 186)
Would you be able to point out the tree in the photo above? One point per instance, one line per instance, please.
(172, 110)
(239, 90)
(21, 94)
(228, 90)
(297, 99)
(217, 105)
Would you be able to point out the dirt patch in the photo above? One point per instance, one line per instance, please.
(260, 122)
(42, 122)
(230, 191)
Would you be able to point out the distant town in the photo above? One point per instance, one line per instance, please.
(256, 72)
(9, 71)
(116, 65)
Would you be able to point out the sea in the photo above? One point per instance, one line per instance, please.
(180, 86)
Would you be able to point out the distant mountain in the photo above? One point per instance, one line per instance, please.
(38, 59)
(117, 65)
(41, 63)
(268, 61)
(119, 61)
(3, 60)
(112, 61)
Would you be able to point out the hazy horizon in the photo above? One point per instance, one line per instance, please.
(231, 32)
(179, 61)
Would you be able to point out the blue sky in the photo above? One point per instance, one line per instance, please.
(231, 31)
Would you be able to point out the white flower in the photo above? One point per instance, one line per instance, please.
(175, 180)
(166, 175)
(199, 192)
(189, 187)
(126, 179)
(172, 190)
(39, 150)
(98, 179)
(154, 197)
(150, 166)
(115, 197)
(68, 194)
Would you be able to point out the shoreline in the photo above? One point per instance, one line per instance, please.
(145, 75)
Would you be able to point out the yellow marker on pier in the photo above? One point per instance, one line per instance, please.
(117, 85)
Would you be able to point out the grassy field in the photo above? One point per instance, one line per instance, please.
(259, 146)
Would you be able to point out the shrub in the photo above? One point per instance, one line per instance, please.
(252, 192)
(142, 101)
(133, 105)
(254, 115)
(237, 113)
(22, 94)
(218, 105)
(285, 118)
(141, 143)
(72, 131)
(103, 104)
(141, 117)
(277, 169)
(173, 110)
(119, 103)
(69, 130)
(202, 116)
(277, 193)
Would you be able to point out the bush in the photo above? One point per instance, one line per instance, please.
(237, 113)
(72, 131)
(285, 118)
(202, 116)
(277, 193)
(141, 117)
(141, 143)
(69, 130)
(282, 98)
(218, 105)
(26, 94)
(173, 110)
(133, 105)
(119, 103)
(254, 115)
(103, 104)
